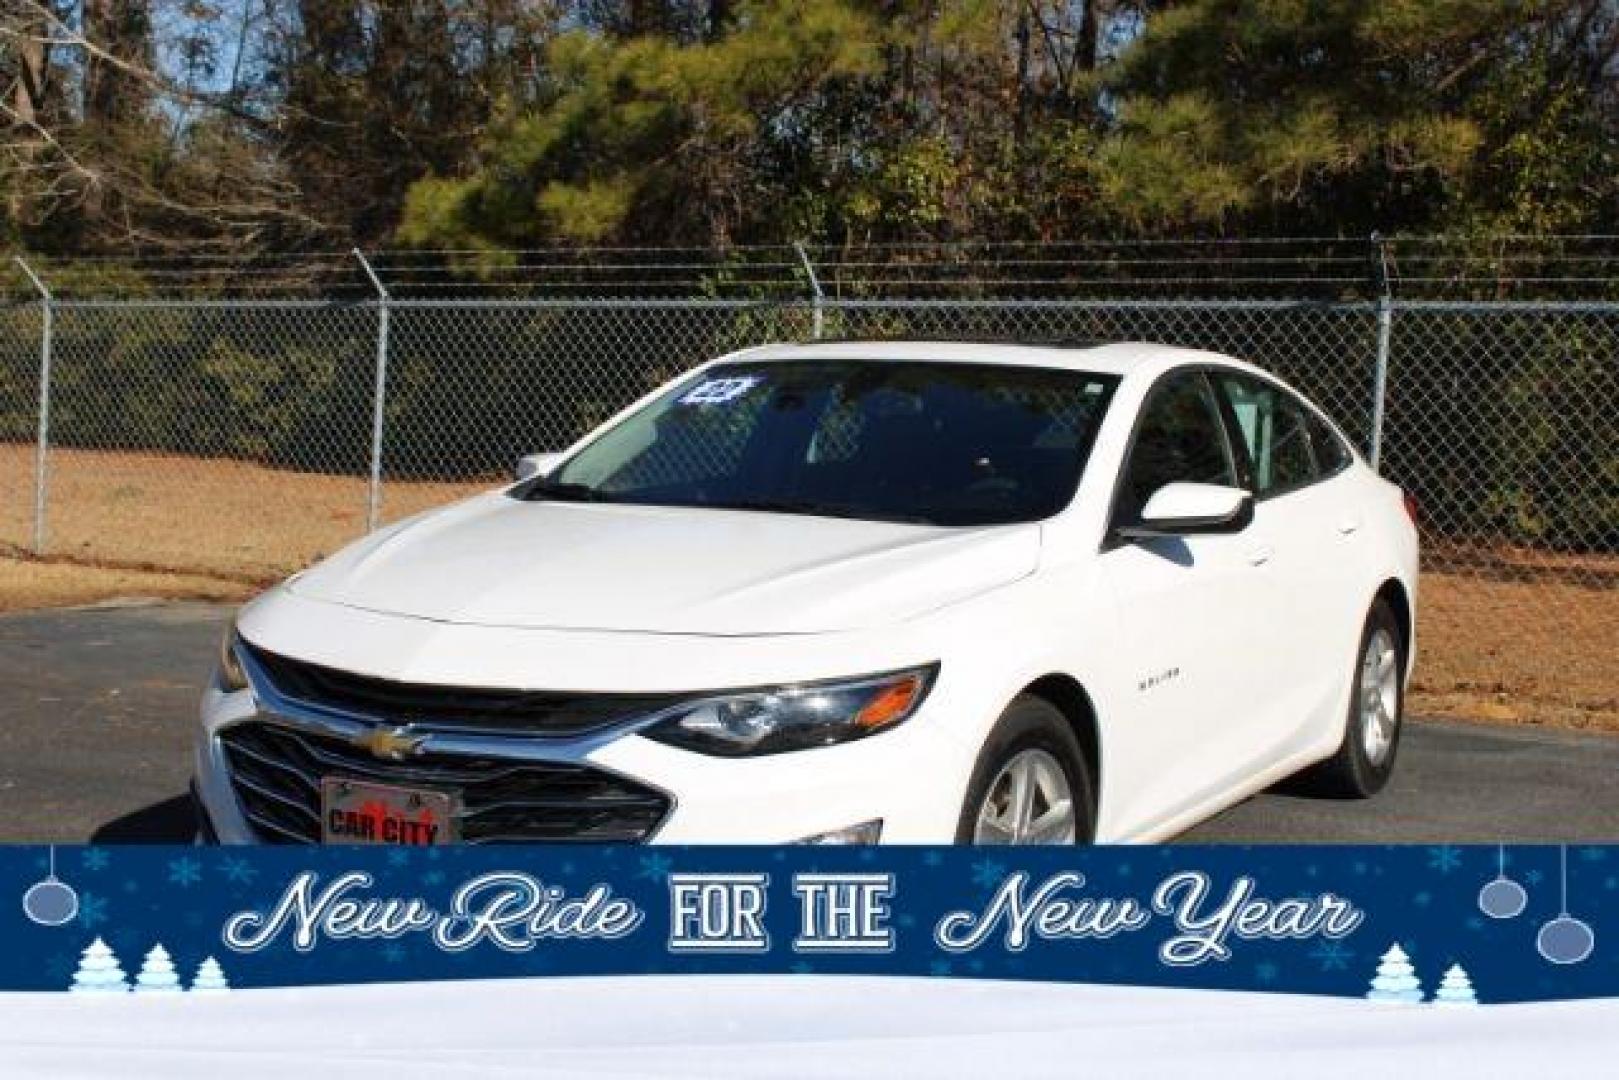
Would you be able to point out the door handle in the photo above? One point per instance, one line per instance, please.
(1348, 526)
(1260, 555)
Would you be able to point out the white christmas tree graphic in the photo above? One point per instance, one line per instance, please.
(1455, 988)
(99, 972)
(210, 977)
(157, 973)
(1396, 978)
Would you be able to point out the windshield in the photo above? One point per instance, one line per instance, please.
(925, 442)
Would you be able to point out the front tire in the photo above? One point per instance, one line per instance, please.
(1031, 783)
(1364, 760)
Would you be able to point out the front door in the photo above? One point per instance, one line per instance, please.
(1196, 621)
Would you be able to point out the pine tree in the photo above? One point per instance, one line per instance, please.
(99, 972)
(1396, 978)
(1456, 988)
(210, 978)
(157, 973)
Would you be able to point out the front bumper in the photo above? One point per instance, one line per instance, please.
(912, 778)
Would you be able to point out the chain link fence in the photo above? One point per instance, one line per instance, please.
(245, 439)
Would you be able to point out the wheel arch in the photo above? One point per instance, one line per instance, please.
(1393, 592)
(1069, 697)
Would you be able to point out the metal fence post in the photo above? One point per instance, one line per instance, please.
(1385, 329)
(373, 508)
(42, 445)
(818, 319)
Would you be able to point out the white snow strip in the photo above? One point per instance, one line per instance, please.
(788, 1026)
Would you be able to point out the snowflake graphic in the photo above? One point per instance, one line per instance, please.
(802, 967)
(987, 873)
(92, 910)
(1422, 899)
(61, 967)
(932, 858)
(433, 878)
(398, 857)
(939, 968)
(237, 870)
(1266, 972)
(185, 871)
(1444, 859)
(654, 867)
(95, 858)
(1533, 877)
(1332, 956)
(393, 952)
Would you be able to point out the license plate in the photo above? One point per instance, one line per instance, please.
(357, 812)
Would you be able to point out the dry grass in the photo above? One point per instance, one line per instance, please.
(1506, 637)
(30, 583)
(222, 518)
(1543, 652)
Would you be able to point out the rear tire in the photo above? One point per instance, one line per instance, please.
(1030, 764)
(1364, 760)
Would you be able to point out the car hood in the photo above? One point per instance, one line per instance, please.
(498, 561)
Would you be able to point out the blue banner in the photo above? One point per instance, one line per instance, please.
(1397, 923)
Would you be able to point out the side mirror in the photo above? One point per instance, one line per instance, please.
(1186, 509)
(531, 465)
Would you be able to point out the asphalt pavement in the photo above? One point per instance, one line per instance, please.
(98, 706)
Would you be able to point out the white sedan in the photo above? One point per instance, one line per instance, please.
(843, 593)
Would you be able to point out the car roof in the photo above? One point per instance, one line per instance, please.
(1120, 358)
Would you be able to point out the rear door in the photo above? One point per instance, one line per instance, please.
(1196, 616)
(1298, 468)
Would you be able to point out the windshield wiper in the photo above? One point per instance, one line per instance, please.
(819, 509)
(542, 488)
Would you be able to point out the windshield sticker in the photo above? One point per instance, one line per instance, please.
(720, 391)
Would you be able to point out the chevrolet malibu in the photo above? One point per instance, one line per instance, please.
(846, 593)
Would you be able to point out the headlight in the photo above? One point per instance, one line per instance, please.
(795, 717)
(231, 676)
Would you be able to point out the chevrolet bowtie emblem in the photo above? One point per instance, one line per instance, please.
(391, 743)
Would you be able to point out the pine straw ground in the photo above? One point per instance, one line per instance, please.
(1507, 639)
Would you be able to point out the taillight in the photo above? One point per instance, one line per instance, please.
(1412, 511)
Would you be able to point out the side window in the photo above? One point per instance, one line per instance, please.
(1180, 438)
(1275, 428)
(1331, 455)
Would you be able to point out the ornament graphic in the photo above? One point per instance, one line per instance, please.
(50, 901)
(1502, 898)
(1396, 979)
(1565, 939)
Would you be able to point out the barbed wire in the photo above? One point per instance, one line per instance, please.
(1306, 268)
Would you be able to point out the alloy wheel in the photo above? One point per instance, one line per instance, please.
(1379, 696)
(1029, 802)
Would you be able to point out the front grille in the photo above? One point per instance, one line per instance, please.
(452, 708)
(276, 773)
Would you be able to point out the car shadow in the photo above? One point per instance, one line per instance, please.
(172, 821)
